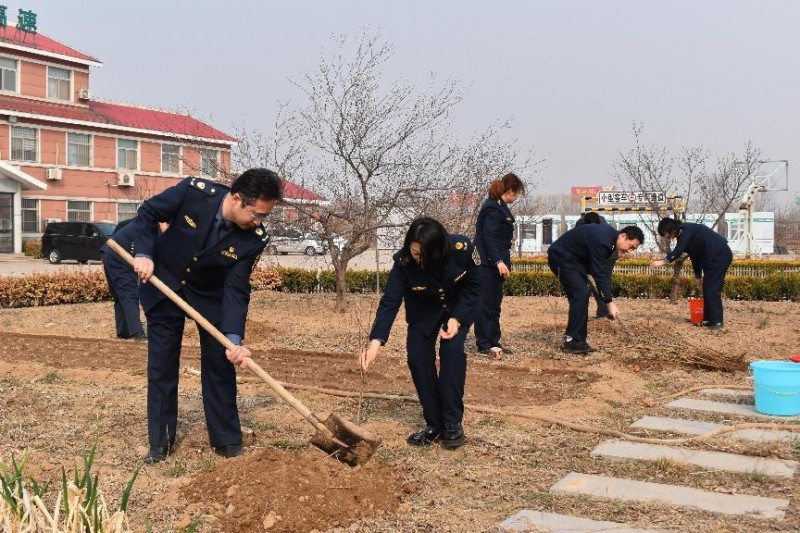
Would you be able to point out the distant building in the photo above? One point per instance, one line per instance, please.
(67, 156)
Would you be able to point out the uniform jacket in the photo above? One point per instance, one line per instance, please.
(592, 249)
(214, 278)
(701, 243)
(429, 301)
(123, 235)
(494, 232)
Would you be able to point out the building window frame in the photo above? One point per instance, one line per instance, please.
(30, 216)
(128, 154)
(9, 76)
(209, 162)
(170, 158)
(126, 210)
(24, 144)
(79, 154)
(59, 83)
(79, 210)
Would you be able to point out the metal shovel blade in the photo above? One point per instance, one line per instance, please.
(350, 444)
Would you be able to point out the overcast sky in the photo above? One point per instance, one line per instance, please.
(573, 74)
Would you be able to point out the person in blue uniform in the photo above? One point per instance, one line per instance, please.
(711, 257)
(582, 251)
(123, 284)
(437, 276)
(592, 217)
(494, 231)
(206, 255)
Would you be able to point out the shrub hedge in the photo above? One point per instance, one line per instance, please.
(76, 287)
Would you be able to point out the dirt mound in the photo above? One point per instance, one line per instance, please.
(274, 490)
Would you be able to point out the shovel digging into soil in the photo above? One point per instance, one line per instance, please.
(337, 436)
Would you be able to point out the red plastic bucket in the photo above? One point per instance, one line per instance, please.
(696, 310)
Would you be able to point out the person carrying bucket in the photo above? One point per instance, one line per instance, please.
(711, 257)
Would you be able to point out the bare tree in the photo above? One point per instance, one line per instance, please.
(380, 152)
(651, 168)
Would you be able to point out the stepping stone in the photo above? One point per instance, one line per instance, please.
(535, 521)
(724, 408)
(644, 491)
(730, 462)
(694, 427)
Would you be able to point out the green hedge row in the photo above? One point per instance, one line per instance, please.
(76, 287)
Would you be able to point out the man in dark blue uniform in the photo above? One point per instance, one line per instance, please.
(438, 278)
(494, 231)
(586, 250)
(711, 257)
(592, 217)
(206, 255)
(123, 284)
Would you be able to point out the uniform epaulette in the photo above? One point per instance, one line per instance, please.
(461, 246)
(209, 187)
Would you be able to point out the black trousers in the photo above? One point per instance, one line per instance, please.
(487, 326)
(440, 394)
(124, 286)
(713, 280)
(165, 323)
(574, 279)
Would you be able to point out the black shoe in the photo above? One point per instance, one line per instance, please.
(424, 437)
(141, 336)
(506, 351)
(229, 450)
(487, 352)
(716, 326)
(156, 455)
(453, 437)
(576, 347)
(589, 347)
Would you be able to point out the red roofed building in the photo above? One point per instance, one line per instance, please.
(66, 156)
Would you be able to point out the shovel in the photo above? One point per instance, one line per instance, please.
(337, 437)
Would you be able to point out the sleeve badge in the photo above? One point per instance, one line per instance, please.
(476, 257)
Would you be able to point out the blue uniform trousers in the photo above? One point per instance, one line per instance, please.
(124, 286)
(441, 395)
(713, 279)
(165, 323)
(573, 278)
(487, 326)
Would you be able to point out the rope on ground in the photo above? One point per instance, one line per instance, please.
(553, 420)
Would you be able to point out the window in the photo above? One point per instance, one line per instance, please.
(79, 211)
(8, 74)
(170, 158)
(58, 83)
(30, 215)
(126, 211)
(24, 144)
(208, 163)
(79, 149)
(126, 153)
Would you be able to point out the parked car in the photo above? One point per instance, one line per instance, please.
(291, 240)
(80, 241)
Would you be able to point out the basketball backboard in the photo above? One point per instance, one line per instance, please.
(771, 175)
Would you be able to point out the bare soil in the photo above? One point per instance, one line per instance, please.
(65, 377)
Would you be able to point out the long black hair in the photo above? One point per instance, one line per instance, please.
(434, 244)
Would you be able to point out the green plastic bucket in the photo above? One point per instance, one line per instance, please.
(776, 386)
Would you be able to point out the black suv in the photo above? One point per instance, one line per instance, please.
(75, 240)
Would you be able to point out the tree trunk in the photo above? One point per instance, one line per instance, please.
(341, 283)
(676, 279)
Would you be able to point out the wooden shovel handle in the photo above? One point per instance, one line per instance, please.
(287, 396)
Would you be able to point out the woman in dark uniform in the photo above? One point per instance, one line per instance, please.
(438, 278)
(493, 234)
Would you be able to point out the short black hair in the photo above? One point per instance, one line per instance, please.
(633, 232)
(434, 243)
(258, 184)
(668, 227)
(591, 217)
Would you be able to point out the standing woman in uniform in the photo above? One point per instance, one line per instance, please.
(438, 278)
(493, 234)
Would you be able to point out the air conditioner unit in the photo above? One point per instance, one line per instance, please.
(54, 174)
(125, 178)
(83, 94)
(49, 220)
